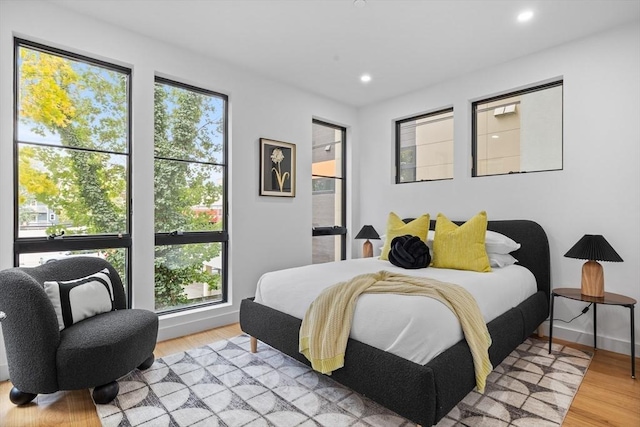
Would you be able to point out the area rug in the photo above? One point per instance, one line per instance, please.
(223, 384)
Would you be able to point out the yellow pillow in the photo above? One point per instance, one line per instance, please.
(461, 247)
(396, 227)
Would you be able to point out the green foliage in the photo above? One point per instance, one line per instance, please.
(170, 283)
(172, 279)
(117, 259)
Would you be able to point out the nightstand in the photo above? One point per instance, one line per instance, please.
(609, 298)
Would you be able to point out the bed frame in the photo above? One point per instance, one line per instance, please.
(423, 393)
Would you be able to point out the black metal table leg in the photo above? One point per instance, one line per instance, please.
(609, 298)
(633, 344)
(595, 324)
(551, 322)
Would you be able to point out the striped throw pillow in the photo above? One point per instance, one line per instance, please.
(78, 299)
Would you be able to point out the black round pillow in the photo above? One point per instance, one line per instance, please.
(409, 252)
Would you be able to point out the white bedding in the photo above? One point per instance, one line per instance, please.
(415, 328)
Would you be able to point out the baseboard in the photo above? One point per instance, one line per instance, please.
(179, 326)
(4, 372)
(4, 366)
(581, 337)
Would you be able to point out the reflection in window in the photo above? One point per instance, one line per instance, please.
(424, 147)
(518, 132)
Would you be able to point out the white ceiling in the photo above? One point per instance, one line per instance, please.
(323, 46)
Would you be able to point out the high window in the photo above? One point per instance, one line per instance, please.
(190, 145)
(329, 192)
(518, 132)
(424, 147)
(71, 148)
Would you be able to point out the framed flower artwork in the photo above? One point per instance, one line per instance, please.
(277, 168)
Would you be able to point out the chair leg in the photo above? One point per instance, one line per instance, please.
(104, 394)
(18, 397)
(147, 363)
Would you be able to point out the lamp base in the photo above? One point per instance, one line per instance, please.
(367, 249)
(592, 279)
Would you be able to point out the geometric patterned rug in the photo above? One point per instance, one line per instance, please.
(530, 388)
(224, 384)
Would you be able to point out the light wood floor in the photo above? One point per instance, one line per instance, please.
(607, 397)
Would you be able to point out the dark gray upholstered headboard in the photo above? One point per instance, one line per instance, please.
(534, 251)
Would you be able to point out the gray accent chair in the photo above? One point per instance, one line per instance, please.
(94, 352)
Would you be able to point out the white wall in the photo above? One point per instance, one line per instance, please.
(597, 192)
(265, 232)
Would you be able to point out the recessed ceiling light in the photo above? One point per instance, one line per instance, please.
(495, 136)
(359, 3)
(525, 16)
(365, 78)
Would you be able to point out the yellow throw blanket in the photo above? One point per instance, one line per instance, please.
(327, 323)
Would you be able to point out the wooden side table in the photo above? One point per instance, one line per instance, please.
(609, 298)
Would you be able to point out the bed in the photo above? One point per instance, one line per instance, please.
(423, 392)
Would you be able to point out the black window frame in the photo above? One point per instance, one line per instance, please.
(25, 245)
(399, 148)
(336, 230)
(178, 237)
(474, 125)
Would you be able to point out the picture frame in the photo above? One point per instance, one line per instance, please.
(277, 168)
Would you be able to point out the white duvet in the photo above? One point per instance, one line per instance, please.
(415, 328)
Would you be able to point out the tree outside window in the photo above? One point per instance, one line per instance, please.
(73, 168)
(190, 212)
(72, 149)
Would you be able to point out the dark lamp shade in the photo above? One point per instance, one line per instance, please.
(593, 247)
(367, 232)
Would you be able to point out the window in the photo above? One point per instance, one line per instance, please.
(518, 132)
(424, 147)
(190, 147)
(329, 192)
(71, 148)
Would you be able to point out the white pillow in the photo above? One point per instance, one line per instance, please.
(497, 243)
(430, 235)
(494, 243)
(501, 260)
(78, 299)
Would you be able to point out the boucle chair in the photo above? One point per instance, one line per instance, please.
(44, 357)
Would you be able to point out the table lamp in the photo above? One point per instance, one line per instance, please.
(367, 232)
(593, 248)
